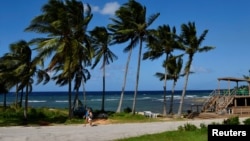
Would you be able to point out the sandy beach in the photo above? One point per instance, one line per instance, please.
(100, 132)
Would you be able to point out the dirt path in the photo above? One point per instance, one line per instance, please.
(100, 132)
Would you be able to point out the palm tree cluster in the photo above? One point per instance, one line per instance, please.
(72, 49)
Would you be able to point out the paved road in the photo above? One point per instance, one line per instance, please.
(96, 133)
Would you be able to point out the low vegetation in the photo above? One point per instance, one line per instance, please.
(46, 116)
(187, 132)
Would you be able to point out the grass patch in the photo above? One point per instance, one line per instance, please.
(130, 118)
(188, 134)
(171, 136)
(47, 116)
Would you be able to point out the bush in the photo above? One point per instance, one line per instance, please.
(247, 121)
(79, 112)
(127, 110)
(232, 121)
(187, 127)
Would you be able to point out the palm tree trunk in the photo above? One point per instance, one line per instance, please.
(137, 77)
(165, 93)
(26, 105)
(16, 101)
(172, 98)
(103, 84)
(124, 82)
(76, 99)
(183, 95)
(84, 94)
(21, 99)
(4, 101)
(69, 89)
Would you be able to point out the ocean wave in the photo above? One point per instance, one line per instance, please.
(111, 99)
(36, 101)
(143, 98)
(95, 99)
(61, 101)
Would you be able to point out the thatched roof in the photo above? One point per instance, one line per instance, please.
(234, 79)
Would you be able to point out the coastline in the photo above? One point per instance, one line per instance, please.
(100, 132)
(146, 100)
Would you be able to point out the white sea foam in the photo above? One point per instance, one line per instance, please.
(62, 101)
(111, 99)
(36, 101)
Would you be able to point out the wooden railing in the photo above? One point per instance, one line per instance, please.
(241, 110)
(209, 102)
(219, 100)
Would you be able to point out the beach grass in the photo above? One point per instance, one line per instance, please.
(187, 132)
(197, 135)
(48, 116)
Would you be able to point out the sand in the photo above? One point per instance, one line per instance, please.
(100, 132)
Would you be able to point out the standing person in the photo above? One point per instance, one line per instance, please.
(86, 116)
(90, 116)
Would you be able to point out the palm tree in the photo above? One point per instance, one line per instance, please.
(65, 25)
(162, 41)
(192, 45)
(3, 90)
(174, 67)
(23, 68)
(120, 35)
(101, 40)
(247, 76)
(4, 78)
(135, 28)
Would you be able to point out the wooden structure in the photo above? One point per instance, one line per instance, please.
(230, 100)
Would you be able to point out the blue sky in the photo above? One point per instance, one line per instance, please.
(229, 31)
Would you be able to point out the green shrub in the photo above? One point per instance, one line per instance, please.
(246, 122)
(203, 126)
(127, 110)
(232, 121)
(187, 127)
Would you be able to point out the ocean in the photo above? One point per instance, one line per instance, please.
(145, 100)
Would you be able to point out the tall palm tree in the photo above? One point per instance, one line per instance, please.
(120, 35)
(101, 40)
(192, 45)
(135, 28)
(162, 41)
(65, 25)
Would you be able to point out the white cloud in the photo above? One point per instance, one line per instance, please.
(95, 8)
(200, 70)
(108, 9)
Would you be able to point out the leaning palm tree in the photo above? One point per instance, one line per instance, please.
(101, 40)
(192, 45)
(119, 36)
(173, 65)
(162, 41)
(65, 25)
(136, 29)
(4, 79)
(24, 69)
